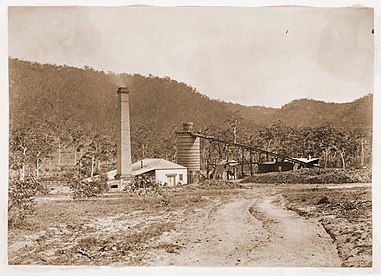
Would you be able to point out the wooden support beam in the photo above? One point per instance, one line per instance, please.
(268, 153)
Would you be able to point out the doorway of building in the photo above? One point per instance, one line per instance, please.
(171, 180)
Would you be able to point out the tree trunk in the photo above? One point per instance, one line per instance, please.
(269, 144)
(207, 168)
(22, 172)
(235, 134)
(99, 165)
(92, 166)
(251, 163)
(342, 159)
(37, 169)
(334, 158)
(242, 164)
(59, 153)
(362, 156)
(22, 169)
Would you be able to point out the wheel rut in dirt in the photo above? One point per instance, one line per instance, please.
(253, 230)
(293, 240)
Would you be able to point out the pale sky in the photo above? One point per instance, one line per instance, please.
(253, 56)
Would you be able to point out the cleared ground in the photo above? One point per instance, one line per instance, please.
(263, 225)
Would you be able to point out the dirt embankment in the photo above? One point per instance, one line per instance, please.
(313, 176)
(346, 214)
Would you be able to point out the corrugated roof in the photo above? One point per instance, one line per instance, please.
(306, 160)
(147, 165)
(150, 164)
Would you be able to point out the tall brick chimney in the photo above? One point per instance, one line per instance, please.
(123, 169)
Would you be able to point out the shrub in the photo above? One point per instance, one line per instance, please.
(143, 185)
(20, 199)
(83, 188)
(42, 189)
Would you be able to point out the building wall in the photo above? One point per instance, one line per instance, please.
(275, 167)
(163, 176)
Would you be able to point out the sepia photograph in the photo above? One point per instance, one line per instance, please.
(190, 136)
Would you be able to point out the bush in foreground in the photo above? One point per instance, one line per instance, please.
(20, 199)
(90, 187)
(143, 185)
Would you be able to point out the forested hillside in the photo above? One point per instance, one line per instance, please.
(56, 107)
(303, 112)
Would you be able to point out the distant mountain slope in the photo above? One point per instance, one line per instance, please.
(63, 94)
(357, 114)
(85, 96)
(312, 113)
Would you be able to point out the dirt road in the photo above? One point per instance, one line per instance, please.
(252, 230)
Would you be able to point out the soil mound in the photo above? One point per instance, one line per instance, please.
(313, 176)
(218, 184)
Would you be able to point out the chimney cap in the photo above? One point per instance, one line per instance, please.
(188, 126)
(123, 90)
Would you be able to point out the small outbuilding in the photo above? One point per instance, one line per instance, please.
(164, 171)
(282, 166)
(275, 166)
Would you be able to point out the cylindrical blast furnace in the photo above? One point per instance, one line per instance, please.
(188, 151)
